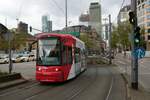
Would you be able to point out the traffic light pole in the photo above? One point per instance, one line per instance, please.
(10, 54)
(110, 53)
(134, 71)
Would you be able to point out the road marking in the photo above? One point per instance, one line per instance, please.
(112, 82)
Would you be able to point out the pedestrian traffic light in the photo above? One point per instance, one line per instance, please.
(137, 37)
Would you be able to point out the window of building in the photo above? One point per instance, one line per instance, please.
(148, 37)
(148, 24)
(148, 10)
(143, 5)
(148, 30)
(148, 17)
(138, 2)
(147, 2)
(139, 8)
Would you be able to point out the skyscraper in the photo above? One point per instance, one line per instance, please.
(46, 24)
(95, 17)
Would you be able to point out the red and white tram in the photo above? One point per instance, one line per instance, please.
(60, 57)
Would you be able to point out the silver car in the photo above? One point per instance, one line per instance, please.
(4, 60)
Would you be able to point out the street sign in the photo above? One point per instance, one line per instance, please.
(139, 53)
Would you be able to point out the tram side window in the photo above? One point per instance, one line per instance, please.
(77, 55)
(69, 55)
(64, 55)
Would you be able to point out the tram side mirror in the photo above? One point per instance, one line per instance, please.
(30, 46)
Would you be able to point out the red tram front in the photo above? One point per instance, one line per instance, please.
(60, 57)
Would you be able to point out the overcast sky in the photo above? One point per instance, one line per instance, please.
(30, 11)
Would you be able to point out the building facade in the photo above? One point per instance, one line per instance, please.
(22, 28)
(46, 24)
(143, 15)
(124, 14)
(95, 17)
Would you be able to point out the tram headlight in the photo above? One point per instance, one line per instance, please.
(39, 69)
(56, 69)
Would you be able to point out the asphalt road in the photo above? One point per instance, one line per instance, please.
(27, 69)
(96, 83)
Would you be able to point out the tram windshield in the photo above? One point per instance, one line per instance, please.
(48, 52)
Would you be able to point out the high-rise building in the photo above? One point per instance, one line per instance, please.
(95, 17)
(124, 14)
(143, 16)
(22, 27)
(46, 24)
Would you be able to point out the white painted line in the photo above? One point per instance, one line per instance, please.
(112, 82)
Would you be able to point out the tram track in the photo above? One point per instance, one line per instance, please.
(79, 91)
(18, 89)
(71, 91)
(83, 89)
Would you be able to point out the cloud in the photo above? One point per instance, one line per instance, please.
(30, 11)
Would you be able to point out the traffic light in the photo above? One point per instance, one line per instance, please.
(30, 29)
(132, 17)
(137, 37)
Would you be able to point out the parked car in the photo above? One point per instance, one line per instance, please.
(23, 58)
(31, 57)
(4, 59)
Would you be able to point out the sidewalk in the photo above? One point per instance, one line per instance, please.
(132, 94)
(124, 66)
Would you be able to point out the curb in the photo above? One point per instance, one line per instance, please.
(128, 92)
(9, 84)
(11, 80)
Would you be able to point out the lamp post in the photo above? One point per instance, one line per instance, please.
(66, 15)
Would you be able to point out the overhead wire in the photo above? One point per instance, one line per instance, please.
(122, 4)
(61, 9)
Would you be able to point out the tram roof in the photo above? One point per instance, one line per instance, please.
(40, 35)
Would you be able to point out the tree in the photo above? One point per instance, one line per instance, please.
(115, 38)
(19, 39)
(88, 43)
(121, 35)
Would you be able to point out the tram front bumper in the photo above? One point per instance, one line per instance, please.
(49, 76)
